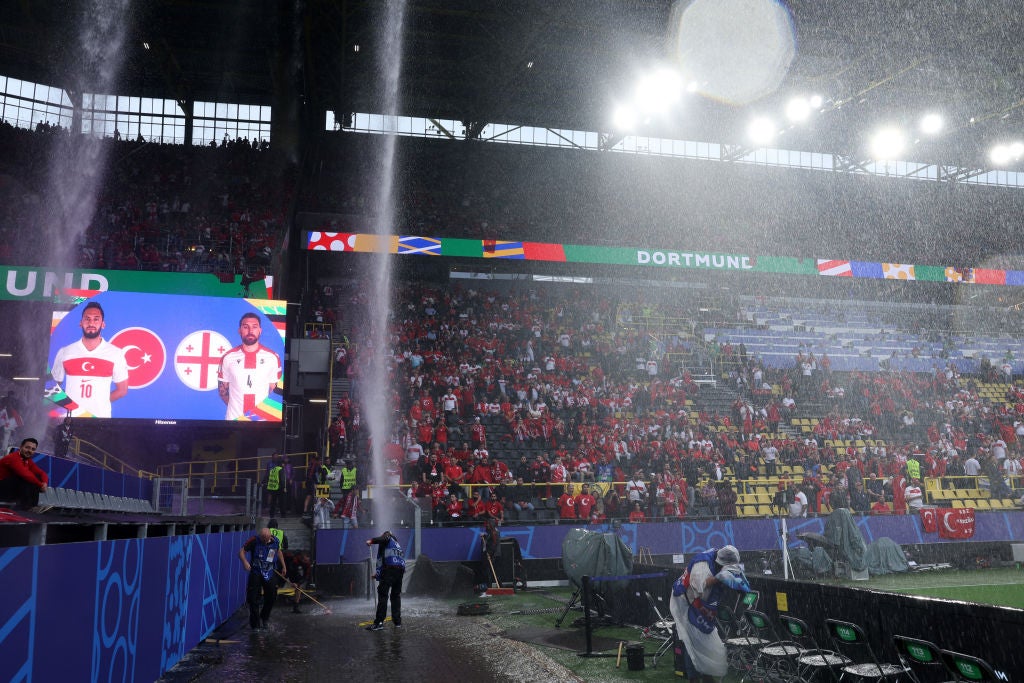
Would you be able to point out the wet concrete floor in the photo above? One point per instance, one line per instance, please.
(434, 644)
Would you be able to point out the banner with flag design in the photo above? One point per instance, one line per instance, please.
(951, 523)
(416, 245)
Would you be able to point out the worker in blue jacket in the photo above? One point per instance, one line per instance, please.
(389, 574)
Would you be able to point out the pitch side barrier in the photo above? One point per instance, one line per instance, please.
(665, 539)
(983, 631)
(125, 610)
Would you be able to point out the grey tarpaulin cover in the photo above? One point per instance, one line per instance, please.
(885, 556)
(816, 561)
(590, 553)
(842, 532)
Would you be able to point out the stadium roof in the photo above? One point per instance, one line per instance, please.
(551, 63)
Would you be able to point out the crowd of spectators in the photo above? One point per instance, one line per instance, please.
(220, 209)
(513, 398)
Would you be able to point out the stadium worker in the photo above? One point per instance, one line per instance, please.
(265, 557)
(389, 574)
(694, 605)
(249, 372)
(21, 480)
(300, 569)
(86, 368)
(276, 485)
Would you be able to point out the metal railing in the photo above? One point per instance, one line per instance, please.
(94, 455)
(233, 474)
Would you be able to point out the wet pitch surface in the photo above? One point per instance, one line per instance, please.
(433, 644)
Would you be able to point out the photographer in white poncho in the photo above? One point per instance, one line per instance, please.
(695, 598)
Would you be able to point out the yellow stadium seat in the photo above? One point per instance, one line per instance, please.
(982, 504)
(996, 504)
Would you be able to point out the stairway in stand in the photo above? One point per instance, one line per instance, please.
(298, 535)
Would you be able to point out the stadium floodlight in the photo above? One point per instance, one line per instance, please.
(816, 101)
(624, 118)
(1001, 155)
(887, 143)
(931, 124)
(761, 130)
(692, 86)
(798, 110)
(657, 91)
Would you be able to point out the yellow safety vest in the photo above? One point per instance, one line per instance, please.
(279, 535)
(913, 469)
(348, 478)
(274, 478)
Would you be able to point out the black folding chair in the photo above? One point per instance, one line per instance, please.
(848, 638)
(922, 658)
(663, 630)
(740, 638)
(815, 663)
(968, 668)
(776, 660)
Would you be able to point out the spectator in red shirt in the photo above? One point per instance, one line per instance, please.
(567, 506)
(482, 475)
(21, 480)
(495, 510)
(585, 503)
(636, 514)
(453, 508)
(476, 508)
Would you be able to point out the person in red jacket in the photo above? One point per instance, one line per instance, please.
(21, 480)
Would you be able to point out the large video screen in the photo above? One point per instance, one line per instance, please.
(167, 357)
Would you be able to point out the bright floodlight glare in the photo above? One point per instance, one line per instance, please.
(658, 91)
(1017, 150)
(624, 118)
(737, 50)
(887, 143)
(931, 124)
(761, 131)
(798, 109)
(816, 101)
(1000, 155)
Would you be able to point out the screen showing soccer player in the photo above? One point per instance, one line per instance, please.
(168, 357)
(87, 368)
(248, 372)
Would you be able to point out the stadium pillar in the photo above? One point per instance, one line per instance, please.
(187, 110)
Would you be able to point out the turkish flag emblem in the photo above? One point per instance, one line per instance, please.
(930, 520)
(956, 523)
(145, 354)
